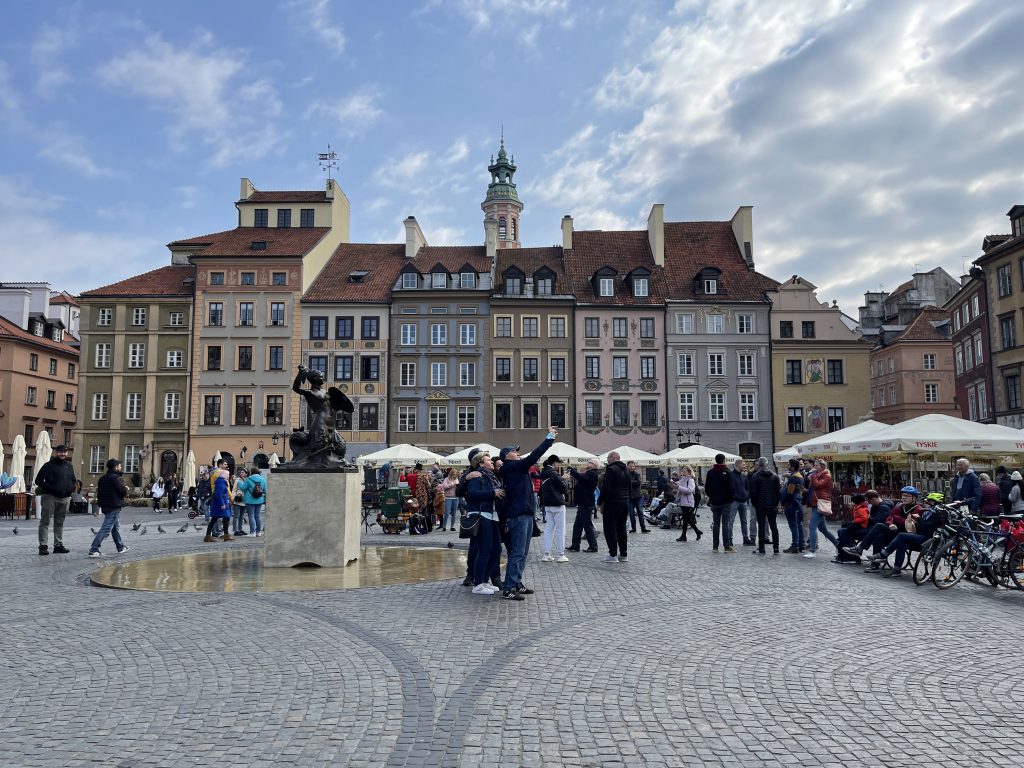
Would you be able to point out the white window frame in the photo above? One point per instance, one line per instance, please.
(467, 374)
(175, 358)
(407, 334)
(684, 364)
(102, 356)
(138, 315)
(979, 354)
(710, 285)
(438, 334)
(467, 334)
(172, 406)
(407, 375)
(641, 287)
(931, 393)
(131, 458)
(464, 414)
(137, 354)
(684, 323)
(437, 418)
(687, 402)
(606, 286)
(407, 418)
(133, 406)
(748, 400)
(439, 374)
(741, 369)
(100, 406)
(928, 362)
(982, 402)
(746, 321)
(97, 459)
(718, 357)
(176, 319)
(715, 323)
(409, 280)
(716, 400)
(105, 316)
(620, 367)
(438, 280)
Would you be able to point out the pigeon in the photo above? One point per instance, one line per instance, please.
(449, 545)
(15, 530)
(136, 526)
(161, 529)
(143, 531)
(93, 530)
(183, 528)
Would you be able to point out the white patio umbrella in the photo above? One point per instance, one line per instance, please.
(626, 454)
(827, 445)
(274, 460)
(403, 453)
(936, 434)
(569, 454)
(783, 456)
(216, 457)
(190, 471)
(18, 455)
(461, 458)
(696, 456)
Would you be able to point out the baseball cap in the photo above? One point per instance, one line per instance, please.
(60, 447)
(507, 450)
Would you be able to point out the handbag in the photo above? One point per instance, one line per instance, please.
(239, 498)
(469, 525)
(825, 506)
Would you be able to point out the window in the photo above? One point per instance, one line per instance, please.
(306, 217)
(216, 316)
(959, 359)
(133, 406)
(648, 413)
(104, 316)
(261, 217)
(409, 279)
(438, 418)
(467, 280)
(284, 217)
(502, 228)
(503, 369)
(710, 286)
(438, 334)
(276, 359)
(246, 313)
(175, 358)
(684, 364)
(513, 285)
(342, 420)
(929, 363)
(343, 327)
(686, 406)
(216, 278)
(131, 458)
(591, 328)
(318, 328)
(646, 327)
(245, 358)
(343, 368)
(213, 358)
(102, 356)
(606, 286)
(640, 287)
(530, 327)
(439, 280)
(716, 364)
(370, 368)
(745, 323)
(956, 320)
(39, 329)
(795, 419)
(592, 366)
(556, 367)
(33, 362)
(836, 419)
(619, 328)
(557, 415)
(684, 323)
(318, 363)
(931, 393)
(407, 418)
(716, 406)
(274, 412)
(975, 305)
(279, 278)
(53, 366)
(503, 416)
(408, 334)
(99, 406)
(1008, 332)
(892, 394)
(785, 329)
(648, 367)
(137, 355)
(807, 329)
(834, 372)
(370, 328)
(620, 413)
(1005, 280)
(592, 413)
(31, 394)
(982, 402)
(794, 372)
(620, 368)
(716, 323)
(556, 327)
(881, 396)
(172, 406)
(1013, 392)
(972, 405)
(30, 433)
(748, 406)
(369, 415)
(531, 416)
(503, 327)
(69, 402)
(439, 374)
(243, 410)
(746, 364)
(277, 313)
(138, 316)
(531, 366)
(545, 286)
(176, 318)
(97, 459)
(978, 355)
(467, 334)
(467, 374)
(57, 334)
(248, 278)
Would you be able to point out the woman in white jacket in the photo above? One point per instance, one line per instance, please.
(157, 492)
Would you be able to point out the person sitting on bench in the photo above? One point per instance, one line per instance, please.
(883, 533)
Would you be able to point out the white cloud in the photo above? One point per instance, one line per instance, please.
(189, 195)
(458, 152)
(67, 150)
(403, 171)
(483, 12)
(314, 18)
(10, 100)
(353, 113)
(46, 51)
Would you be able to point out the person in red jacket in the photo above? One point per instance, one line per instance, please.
(895, 523)
(851, 533)
(820, 483)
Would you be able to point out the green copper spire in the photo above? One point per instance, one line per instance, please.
(502, 187)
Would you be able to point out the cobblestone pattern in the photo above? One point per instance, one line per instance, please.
(679, 658)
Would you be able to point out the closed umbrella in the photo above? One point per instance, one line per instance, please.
(19, 453)
(190, 471)
(43, 449)
(1, 457)
(275, 460)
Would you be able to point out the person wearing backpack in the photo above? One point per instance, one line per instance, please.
(254, 491)
(552, 497)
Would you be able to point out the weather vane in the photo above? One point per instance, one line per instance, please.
(328, 160)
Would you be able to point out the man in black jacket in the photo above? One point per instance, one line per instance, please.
(740, 498)
(636, 499)
(110, 496)
(56, 483)
(764, 492)
(553, 491)
(718, 487)
(615, 490)
(586, 486)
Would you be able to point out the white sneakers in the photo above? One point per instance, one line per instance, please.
(611, 559)
(95, 554)
(484, 589)
(808, 554)
(547, 558)
(561, 559)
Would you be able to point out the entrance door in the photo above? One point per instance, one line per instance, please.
(168, 465)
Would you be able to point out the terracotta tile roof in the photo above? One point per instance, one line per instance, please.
(10, 330)
(63, 298)
(902, 288)
(165, 281)
(622, 251)
(690, 246)
(286, 196)
(530, 260)
(291, 241)
(923, 327)
(381, 261)
(452, 258)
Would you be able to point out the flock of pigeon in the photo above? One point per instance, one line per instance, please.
(137, 526)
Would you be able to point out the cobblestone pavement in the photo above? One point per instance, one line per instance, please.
(680, 657)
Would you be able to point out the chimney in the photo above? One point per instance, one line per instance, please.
(567, 233)
(414, 239)
(656, 233)
(247, 189)
(743, 230)
(491, 236)
(329, 190)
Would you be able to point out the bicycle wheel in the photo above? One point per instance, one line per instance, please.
(923, 566)
(949, 564)
(1014, 566)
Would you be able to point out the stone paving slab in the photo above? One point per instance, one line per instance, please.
(678, 658)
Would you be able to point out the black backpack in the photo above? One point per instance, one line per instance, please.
(257, 491)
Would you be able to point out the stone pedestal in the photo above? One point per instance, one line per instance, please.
(316, 518)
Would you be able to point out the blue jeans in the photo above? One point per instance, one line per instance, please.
(795, 518)
(520, 530)
(451, 512)
(818, 524)
(903, 543)
(111, 525)
(237, 510)
(740, 507)
(719, 516)
(255, 514)
(488, 550)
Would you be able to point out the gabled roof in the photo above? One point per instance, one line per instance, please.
(901, 289)
(452, 258)
(286, 196)
(622, 251)
(165, 281)
(923, 328)
(691, 246)
(10, 330)
(281, 241)
(381, 261)
(64, 298)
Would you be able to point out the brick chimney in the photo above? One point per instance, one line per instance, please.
(414, 239)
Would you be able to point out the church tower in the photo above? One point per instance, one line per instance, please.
(502, 202)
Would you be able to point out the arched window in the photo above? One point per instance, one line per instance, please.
(515, 228)
(501, 228)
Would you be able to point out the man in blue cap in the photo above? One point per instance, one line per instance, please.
(520, 506)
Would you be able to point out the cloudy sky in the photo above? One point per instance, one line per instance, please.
(870, 137)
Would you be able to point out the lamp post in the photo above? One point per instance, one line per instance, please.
(275, 438)
(687, 433)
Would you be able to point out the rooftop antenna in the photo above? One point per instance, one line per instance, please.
(328, 160)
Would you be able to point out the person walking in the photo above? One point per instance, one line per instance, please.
(111, 495)
(686, 487)
(520, 507)
(173, 493)
(636, 499)
(55, 483)
(821, 508)
(718, 486)
(585, 487)
(255, 496)
(156, 492)
(1016, 493)
(615, 491)
(451, 501)
(220, 504)
(238, 502)
(484, 495)
(764, 493)
(203, 491)
(792, 506)
(740, 497)
(552, 497)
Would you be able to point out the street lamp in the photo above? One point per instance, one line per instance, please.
(687, 433)
(275, 438)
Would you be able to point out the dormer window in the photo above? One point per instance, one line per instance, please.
(438, 280)
(545, 286)
(710, 285)
(606, 286)
(513, 285)
(641, 287)
(257, 245)
(38, 329)
(1018, 226)
(467, 279)
(409, 279)
(58, 335)
(358, 276)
